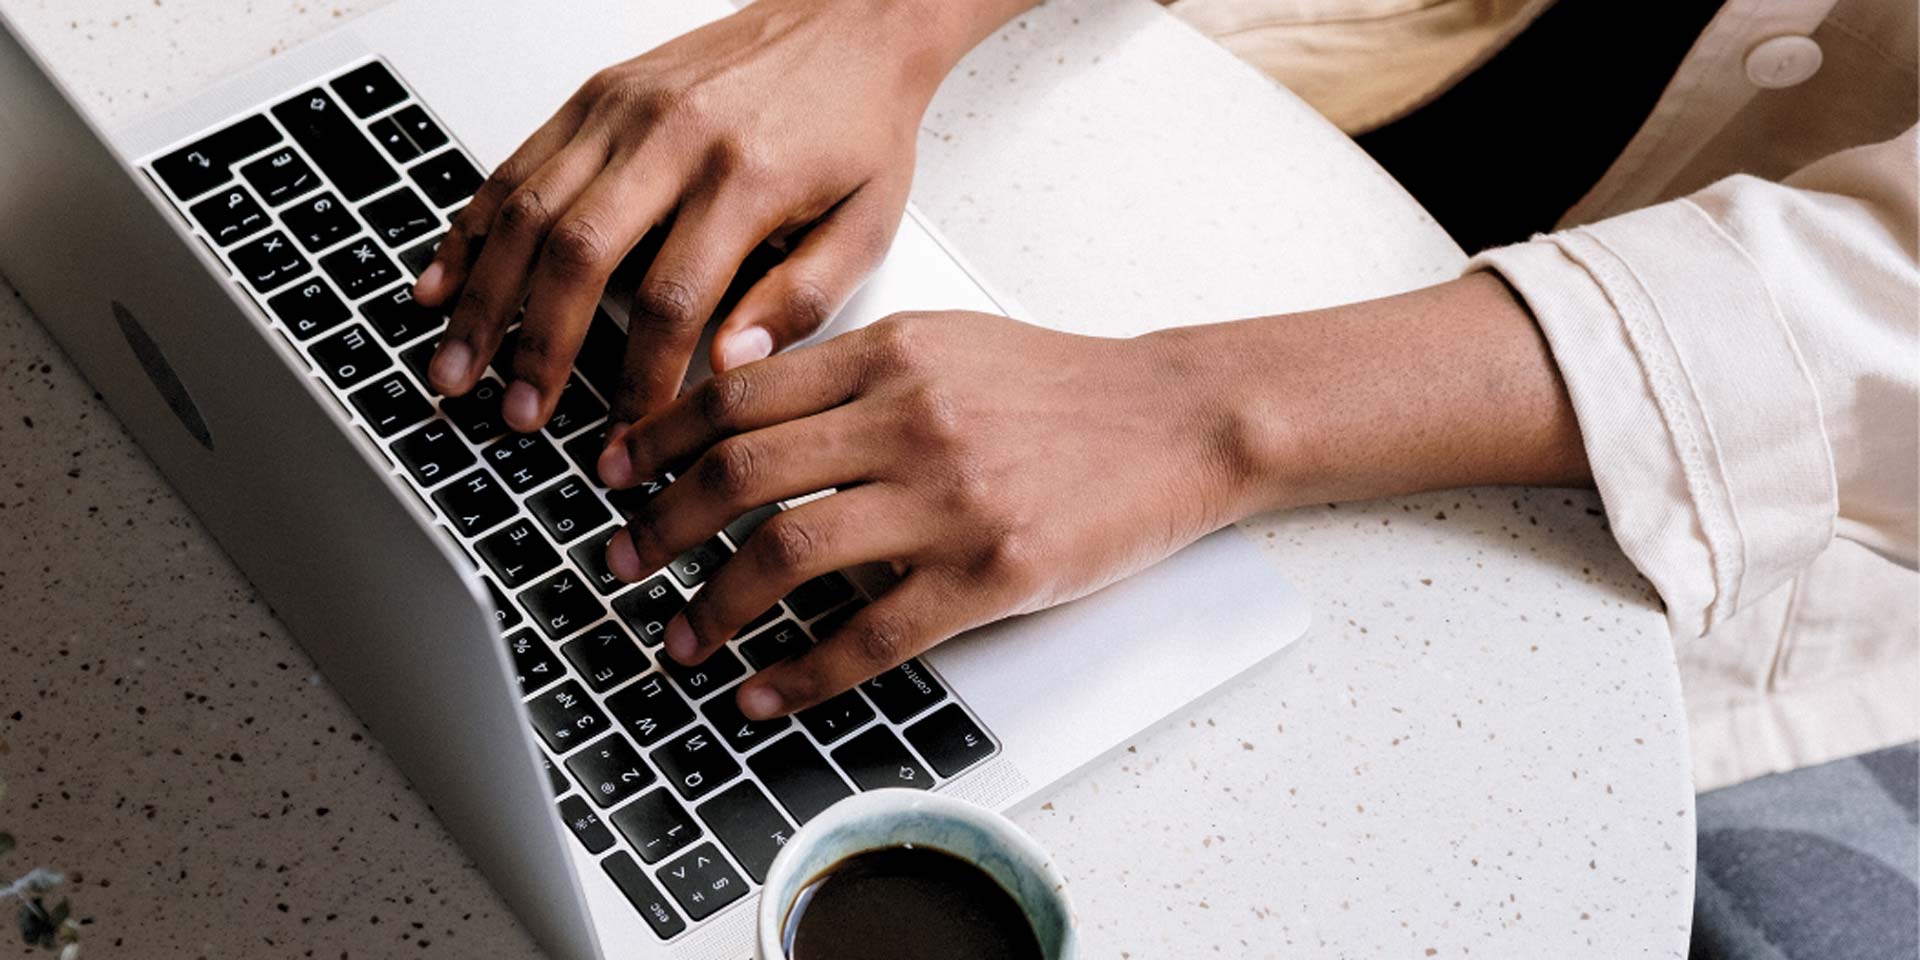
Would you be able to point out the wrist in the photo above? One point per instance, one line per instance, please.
(1449, 386)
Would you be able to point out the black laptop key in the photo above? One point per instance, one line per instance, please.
(584, 450)
(904, 692)
(766, 616)
(475, 503)
(744, 525)
(830, 624)
(329, 136)
(606, 657)
(694, 567)
(657, 825)
(610, 770)
(391, 404)
(417, 357)
(576, 408)
(368, 90)
(420, 128)
(505, 615)
(723, 713)
(310, 309)
(784, 639)
(208, 162)
(565, 717)
(432, 453)
(645, 897)
(447, 178)
(695, 763)
(602, 357)
(268, 263)
(569, 510)
(560, 605)
(877, 759)
(555, 779)
(517, 553)
(702, 881)
(819, 595)
(348, 357)
(524, 461)
(837, 717)
(416, 257)
(799, 777)
(648, 607)
(320, 222)
(360, 269)
(399, 217)
(950, 740)
(280, 176)
(533, 661)
(650, 710)
(387, 133)
(722, 667)
(399, 318)
(230, 216)
(591, 557)
(630, 500)
(585, 825)
(745, 820)
(477, 412)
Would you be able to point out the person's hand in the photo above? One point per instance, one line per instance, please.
(791, 122)
(1001, 467)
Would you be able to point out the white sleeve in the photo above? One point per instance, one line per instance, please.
(1744, 363)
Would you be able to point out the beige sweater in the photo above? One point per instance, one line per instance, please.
(1736, 309)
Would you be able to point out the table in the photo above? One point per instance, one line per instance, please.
(1478, 749)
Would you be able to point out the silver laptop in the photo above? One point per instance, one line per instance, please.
(231, 274)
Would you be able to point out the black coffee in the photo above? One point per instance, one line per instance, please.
(904, 903)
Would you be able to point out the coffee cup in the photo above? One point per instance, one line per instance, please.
(947, 848)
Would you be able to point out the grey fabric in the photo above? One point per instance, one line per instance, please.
(1817, 864)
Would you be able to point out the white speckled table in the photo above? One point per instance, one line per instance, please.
(1478, 749)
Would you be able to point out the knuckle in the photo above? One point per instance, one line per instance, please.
(503, 179)
(936, 415)
(665, 302)
(724, 400)
(895, 343)
(787, 544)
(807, 306)
(525, 211)
(578, 244)
(729, 470)
(880, 639)
(1010, 557)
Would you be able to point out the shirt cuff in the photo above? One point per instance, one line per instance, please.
(1700, 419)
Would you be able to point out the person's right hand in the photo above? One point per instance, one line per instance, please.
(791, 122)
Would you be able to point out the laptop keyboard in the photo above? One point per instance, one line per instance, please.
(325, 206)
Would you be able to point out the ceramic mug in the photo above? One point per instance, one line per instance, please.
(882, 819)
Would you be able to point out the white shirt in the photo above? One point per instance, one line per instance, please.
(1735, 308)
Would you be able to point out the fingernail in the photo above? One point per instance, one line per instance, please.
(429, 281)
(615, 469)
(521, 407)
(680, 640)
(746, 346)
(449, 366)
(760, 702)
(622, 559)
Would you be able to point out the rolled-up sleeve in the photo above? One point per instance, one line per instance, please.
(1744, 363)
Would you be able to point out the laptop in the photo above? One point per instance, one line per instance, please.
(231, 274)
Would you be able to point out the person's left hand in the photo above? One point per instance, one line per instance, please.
(1001, 467)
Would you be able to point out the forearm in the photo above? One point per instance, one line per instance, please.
(1448, 386)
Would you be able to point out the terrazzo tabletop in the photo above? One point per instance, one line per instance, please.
(1478, 749)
